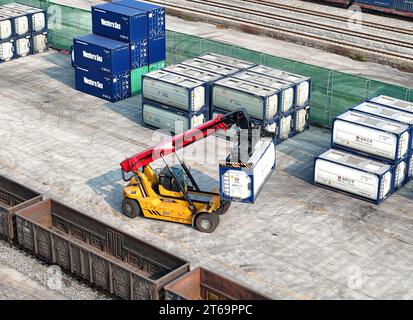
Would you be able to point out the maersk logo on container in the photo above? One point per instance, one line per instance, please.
(90, 82)
(110, 24)
(92, 56)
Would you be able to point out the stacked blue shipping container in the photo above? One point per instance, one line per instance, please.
(23, 31)
(380, 130)
(128, 40)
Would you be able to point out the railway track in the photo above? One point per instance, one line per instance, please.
(374, 53)
(306, 23)
(329, 16)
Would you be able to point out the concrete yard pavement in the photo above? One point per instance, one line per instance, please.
(16, 286)
(298, 241)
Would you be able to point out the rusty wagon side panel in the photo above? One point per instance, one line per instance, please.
(202, 284)
(13, 196)
(81, 245)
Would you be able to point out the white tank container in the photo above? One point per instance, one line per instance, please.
(228, 61)
(286, 98)
(259, 101)
(243, 181)
(194, 73)
(210, 66)
(23, 46)
(286, 127)
(37, 16)
(162, 117)
(6, 30)
(40, 42)
(393, 103)
(303, 84)
(6, 51)
(350, 173)
(301, 119)
(385, 112)
(373, 136)
(19, 19)
(174, 90)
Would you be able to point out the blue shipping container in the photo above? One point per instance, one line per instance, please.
(404, 5)
(119, 22)
(157, 49)
(109, 87)
(156, 15)
(139, 52)
(379, 3)
(101, 54)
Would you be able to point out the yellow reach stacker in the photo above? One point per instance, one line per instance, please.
(172, 193)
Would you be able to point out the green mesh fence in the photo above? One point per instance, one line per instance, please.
(333, 92)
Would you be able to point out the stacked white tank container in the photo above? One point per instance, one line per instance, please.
(23, 31)
(173, 102)
(379, 133)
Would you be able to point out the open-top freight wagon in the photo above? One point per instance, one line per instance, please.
(107, 258)
(13, 196)
(202, 284)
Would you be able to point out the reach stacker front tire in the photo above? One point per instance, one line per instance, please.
(131, 208)
(207, 222)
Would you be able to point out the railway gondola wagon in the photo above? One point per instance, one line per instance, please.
(202, 284)
(107, 258)
(13, 196)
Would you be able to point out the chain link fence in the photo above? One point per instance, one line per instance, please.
(333, 92)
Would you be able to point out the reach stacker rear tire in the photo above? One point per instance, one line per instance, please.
(207, 222)
(131, 208)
